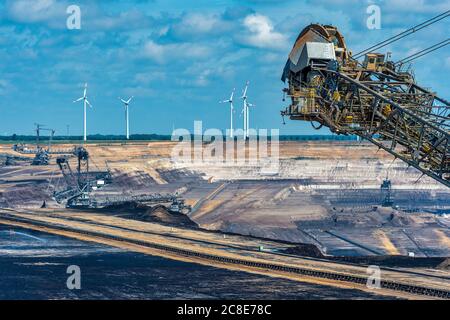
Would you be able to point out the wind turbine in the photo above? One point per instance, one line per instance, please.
(230, 101)
(245, 109)
(127, 119)
(249, 105)
(85, 101)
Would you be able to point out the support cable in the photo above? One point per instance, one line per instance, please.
(403, 34)
(423, 52)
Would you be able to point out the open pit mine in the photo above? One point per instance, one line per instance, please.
(320, 220)
(330, 210)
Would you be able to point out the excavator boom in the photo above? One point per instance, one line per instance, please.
(375, 100)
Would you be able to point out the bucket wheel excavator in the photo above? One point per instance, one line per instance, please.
(374, 99)
(82, 183)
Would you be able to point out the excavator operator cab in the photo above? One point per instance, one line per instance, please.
(373, 60)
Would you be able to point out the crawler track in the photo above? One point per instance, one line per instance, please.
(261, 266)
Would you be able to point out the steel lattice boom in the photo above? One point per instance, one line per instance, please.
(375, 100)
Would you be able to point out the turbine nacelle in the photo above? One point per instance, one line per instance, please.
(127, 120)
(244, 93)
(84, 97)
(126, 102)
(230, 100)
(85, 102)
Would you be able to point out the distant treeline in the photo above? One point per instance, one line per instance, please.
(158, 137)
(95, 137)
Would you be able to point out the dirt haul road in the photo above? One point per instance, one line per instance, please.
(229, 252)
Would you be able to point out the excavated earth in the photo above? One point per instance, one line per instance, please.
(325, 194)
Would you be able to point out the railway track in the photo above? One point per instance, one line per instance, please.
(261, 266)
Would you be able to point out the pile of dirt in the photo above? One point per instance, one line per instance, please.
(158, 214)
(162, 215)
(445, 265)
(305, 249)
(310, 250)
(398, 261)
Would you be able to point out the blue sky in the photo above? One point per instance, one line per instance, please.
(179, 58)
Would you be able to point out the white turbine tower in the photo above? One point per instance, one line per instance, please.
(249, 105)
(127, 119)
(245, 108)
(230, 101)
(85, 101)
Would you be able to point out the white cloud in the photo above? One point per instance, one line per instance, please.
(148, 77)
(132, 19)
(200, 23)
(31, 11)
(154, 51)
(140, 91)
(420, 6)
(197, 25)
(53, 13)
(162, 53)
(5, 87)
(261, 33)
(447, 62)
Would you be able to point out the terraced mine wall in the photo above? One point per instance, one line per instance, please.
(325, 193)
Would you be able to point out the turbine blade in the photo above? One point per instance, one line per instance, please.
(90, 105)
(79, 99)
(131, 98)
(244, 94)
(85, 90)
